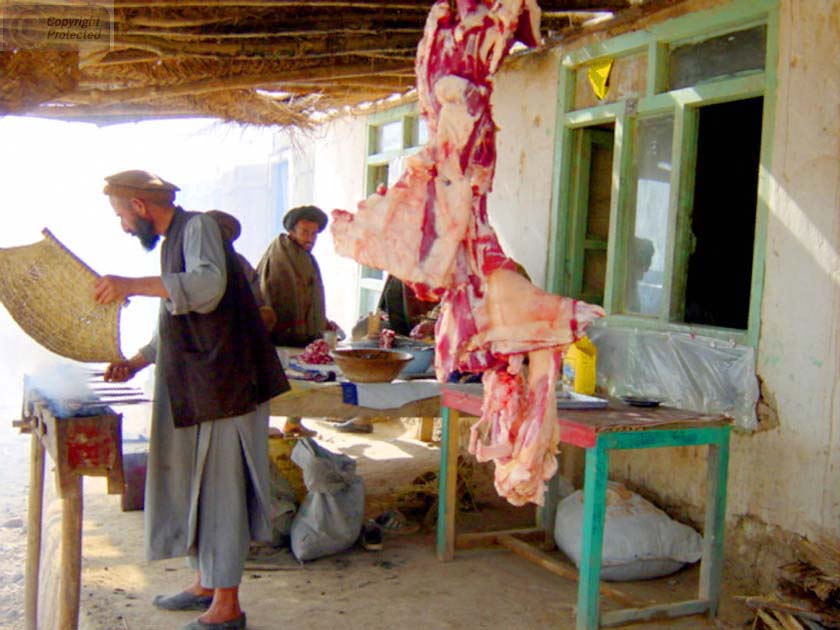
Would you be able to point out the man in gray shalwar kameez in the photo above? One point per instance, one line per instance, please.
(207, 480)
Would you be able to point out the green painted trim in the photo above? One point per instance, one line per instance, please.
(708, 93)
(714, 527)
(392, 114)
(619, 202)
(735, 15)
(765, 178)
(657, 68)
(592, 535)
(556, 272)
(711, 92)
(443, 476)
(594, 115)
(378, 159)
(620, 46)
(673, 208)
(684, 207)
(659, 438)
(579, 214)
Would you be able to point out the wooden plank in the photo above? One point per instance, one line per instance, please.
(562, 569)
(575, 434)
(33, 533)
(325, 401)
(467, 401)
(447, 482)
(711, 566)
(651, 613)
(474, 540)
(426, 429)
(70, 585)
(592, 536)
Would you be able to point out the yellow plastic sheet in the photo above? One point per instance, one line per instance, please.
(599, 77)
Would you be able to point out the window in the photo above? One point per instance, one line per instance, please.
(392, 136)
(660, 216)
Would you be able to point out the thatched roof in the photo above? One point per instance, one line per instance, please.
(252, 61)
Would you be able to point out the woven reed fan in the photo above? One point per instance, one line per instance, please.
(49, 293)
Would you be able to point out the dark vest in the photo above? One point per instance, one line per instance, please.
(218, 364)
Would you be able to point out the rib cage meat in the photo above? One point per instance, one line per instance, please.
(431, 229)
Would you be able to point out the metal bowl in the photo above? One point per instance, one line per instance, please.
(370, 365)
(422, 361)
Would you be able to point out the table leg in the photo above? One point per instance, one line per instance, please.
(71, 557)
(34, 526)
(711, 566)
(427, 426)
(447, 482)
(592, 535)
(547, 512)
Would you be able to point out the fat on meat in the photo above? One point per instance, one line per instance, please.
(431, 229)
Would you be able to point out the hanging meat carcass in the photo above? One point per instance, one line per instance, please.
(431, 229)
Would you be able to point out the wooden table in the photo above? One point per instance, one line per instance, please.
(78, 446)
(599, 431)
(324, 400)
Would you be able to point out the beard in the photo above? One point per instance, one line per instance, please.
(145, 231)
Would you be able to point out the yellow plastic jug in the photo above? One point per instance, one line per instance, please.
(579, 366)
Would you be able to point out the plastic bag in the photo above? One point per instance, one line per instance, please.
(640, 540)
(330, 518)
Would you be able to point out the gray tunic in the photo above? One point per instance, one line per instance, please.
(206, 485)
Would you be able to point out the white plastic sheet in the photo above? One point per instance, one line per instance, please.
(682, 370)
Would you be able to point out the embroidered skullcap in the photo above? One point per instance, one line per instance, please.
(140, 185)
(229, 224)
(308, 213)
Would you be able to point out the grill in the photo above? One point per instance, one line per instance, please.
(83, 438)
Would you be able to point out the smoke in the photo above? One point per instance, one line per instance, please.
(65, 386)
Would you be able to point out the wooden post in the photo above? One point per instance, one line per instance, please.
(592, 530)
(71, 558)
(447, 483)
(33, 535)
(427, 426)
(711, 566)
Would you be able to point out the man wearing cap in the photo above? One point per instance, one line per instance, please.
(291, 282)
(216, 368)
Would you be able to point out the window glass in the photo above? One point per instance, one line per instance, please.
(717, 57)
(649, 229)
(421, 132)
(389, 137)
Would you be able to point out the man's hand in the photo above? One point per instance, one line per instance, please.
(121, 371)
(109, 289)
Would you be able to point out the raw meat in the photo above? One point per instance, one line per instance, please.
(431, 230)
(316, 353)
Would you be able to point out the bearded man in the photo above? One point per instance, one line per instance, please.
(216, 368)
(291, 282)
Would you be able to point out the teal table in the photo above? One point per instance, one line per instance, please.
(600, 431)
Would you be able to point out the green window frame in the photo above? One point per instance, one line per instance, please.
(391, 135)
(577, 127)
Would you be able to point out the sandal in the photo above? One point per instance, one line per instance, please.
(371, 538)
(395, 522)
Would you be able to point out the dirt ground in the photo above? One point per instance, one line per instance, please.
(402, 586)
